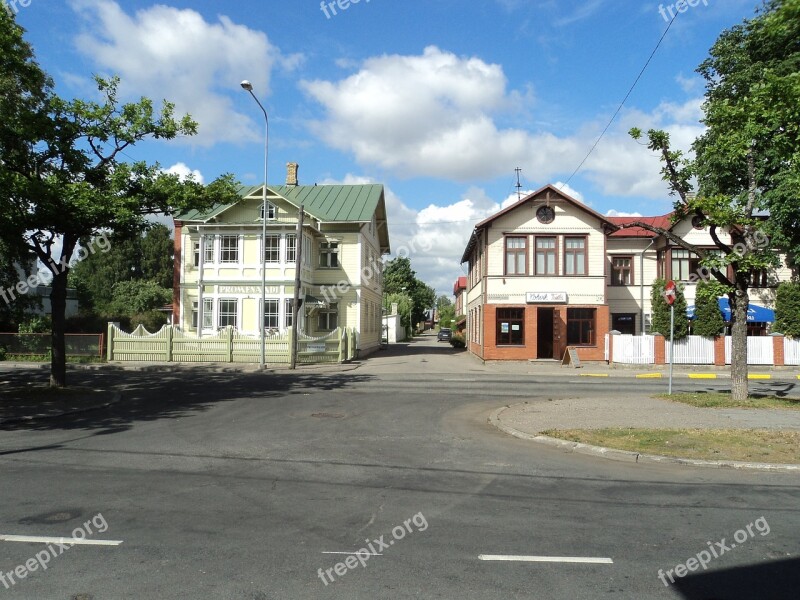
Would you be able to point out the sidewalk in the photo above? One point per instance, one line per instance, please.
(529, 420)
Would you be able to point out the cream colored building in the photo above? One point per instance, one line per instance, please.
(548, 272)
(219, 256)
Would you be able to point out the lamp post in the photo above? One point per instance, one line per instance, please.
(246, 85)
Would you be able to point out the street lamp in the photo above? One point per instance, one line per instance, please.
(246, 85)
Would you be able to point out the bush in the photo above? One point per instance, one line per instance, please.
(708, 320)
(787, 309)
(2, 353)
(458, 341)
(152, 320)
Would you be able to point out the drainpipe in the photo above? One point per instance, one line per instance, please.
(641, 284)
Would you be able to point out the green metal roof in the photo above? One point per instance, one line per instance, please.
(327, 203)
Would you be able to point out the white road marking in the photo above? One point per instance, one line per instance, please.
(351, 553)
(546, 559)
(57, 540)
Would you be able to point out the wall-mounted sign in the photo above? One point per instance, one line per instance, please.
(546, 297)
(248, 289)
(315, 347)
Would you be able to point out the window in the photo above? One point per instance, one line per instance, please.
(622, 270)
(580, 326)
(759, 278)
(208, 313)
(291, 248)
(272, 248)
(271, 317)
(208, 257)
(329, 317)
(228, 311)
(516, 256)
(229, 249)
(574, 256)
(681, 264)
(624, 323)
(329, 255)
(289, 302)
(546, 250)
(510, 326)
(307, 252)
(271, 211)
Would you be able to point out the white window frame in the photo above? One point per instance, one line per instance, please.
(274, 250)
(329, 312)
(291, 249)
(275, 315)
(327, 250)
(223, 249)
(226, 314)
(272, 211)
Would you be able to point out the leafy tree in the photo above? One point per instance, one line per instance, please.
(399, 277)
(747, 161)
(443, 302)
(708, 320)
(62, 174)
(446, 316)
(139, 296)
(13, 306)
(661, 311)
(148, 257)
(158, 255)
(404, 303)
(152, 320)
(787, 309)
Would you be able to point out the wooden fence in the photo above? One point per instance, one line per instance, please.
(170, 344)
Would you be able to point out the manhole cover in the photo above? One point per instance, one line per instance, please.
(327, 415)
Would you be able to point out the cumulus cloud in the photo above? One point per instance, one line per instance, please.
(183, 172)
(166, 52)
(443, 122)
(617, 213)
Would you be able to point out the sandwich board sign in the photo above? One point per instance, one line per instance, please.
(571, 358)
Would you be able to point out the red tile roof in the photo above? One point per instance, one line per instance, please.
(461, 284)
(664, 222)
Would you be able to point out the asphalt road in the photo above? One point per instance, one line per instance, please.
(249, 486)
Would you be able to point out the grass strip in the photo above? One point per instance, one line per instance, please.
(748, 445)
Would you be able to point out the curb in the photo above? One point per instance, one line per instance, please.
(30, 419)
(634, 457)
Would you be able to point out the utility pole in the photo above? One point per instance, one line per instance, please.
(298, 256)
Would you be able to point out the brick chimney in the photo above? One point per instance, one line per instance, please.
(291, 173)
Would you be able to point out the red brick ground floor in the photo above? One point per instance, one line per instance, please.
(526, 332)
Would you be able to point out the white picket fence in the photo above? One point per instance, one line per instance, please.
(634, 349)
(791, 351)
(692, 350)
(695, 350)
(759, 350)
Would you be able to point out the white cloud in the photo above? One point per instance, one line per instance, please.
(569, 191)
(166, 52)
(443, 122)
(183, 172)
(617, 213)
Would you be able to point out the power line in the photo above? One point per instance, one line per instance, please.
(624, 100)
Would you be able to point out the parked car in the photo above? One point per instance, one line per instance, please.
(444, 334)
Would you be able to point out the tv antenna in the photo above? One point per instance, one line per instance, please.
(519, 185)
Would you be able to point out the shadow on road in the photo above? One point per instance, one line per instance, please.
(153, 395)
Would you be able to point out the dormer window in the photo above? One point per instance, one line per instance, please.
(271, 211)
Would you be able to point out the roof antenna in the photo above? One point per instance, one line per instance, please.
(519, 185)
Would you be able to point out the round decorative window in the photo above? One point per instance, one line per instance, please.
(546, 214)
(698, 222)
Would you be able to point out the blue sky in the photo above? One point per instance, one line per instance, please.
(439, 100)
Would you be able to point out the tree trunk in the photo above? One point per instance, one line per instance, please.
(739, 300)
(58, 354)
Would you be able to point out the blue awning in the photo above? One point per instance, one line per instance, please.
(755, 313)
